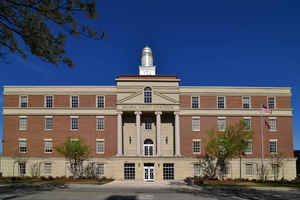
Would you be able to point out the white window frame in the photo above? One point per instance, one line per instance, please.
(48, 169)
(247, 152)
(20, 101)
(245, 103)
(24, 141)
(46, 148)
(193, 146)
(48, 117)
(224, 102)
(274, 102)
(99, 170)
(26, 123)
(276, 142)
(148, 99)
(250, 124)
(100, 118)
(45, 101)
(197, 104)
(271, 128)
(225, 124)
(74, 117)
(196, 127)
(71, 105)
(99, 148)
(252, 169)
(197, 169)
(19, 168)
(97, 101)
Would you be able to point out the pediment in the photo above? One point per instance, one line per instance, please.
(157, 98)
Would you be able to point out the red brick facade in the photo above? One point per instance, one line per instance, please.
(36, 133)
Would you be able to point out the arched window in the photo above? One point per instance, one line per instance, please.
(148, 147)
(147, 95)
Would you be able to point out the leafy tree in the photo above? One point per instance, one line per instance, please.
(228, 144)
(76, 152)
(43, 25)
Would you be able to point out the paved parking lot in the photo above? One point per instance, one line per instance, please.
(118, 190)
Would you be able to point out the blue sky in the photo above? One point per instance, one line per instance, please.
(205, 43)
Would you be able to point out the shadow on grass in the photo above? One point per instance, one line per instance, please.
(243, 193)
(15, 190)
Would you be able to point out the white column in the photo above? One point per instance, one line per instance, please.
(158, 133)
(177, 134)
(138, 129)
(120, 150)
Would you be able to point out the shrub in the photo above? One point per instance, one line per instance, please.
(198, 181)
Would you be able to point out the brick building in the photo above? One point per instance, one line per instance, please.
(146, 127)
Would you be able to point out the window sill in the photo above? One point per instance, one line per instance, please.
(196, 130)
(273, 131)
(100, 130)
(196, 153)
(47, 152)
(73, 129)
(248, 153)
(100, 153)
(48, 129)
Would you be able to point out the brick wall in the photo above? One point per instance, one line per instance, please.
(234, 101)
(35, 134)
(283, 134)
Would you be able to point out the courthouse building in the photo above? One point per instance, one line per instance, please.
(146, 127)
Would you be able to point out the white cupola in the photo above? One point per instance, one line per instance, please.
(147, 67)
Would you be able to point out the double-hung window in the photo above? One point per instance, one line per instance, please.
(197, 170)
(22, 123)
(249, 169)
(47, 168)
(22, 168)
(249, 147)
(100, 102)
(221, 124)
(195, 102)
(100, 147)
(196, 123)
(271, 103)
(100, 123)
(246, 102)
(49, 101)
(247, 121)
(48, 146)
(221, 102)
(272, 124)
(74, 101)
(23, 101)
(48, 123)
(196, 146)
(100, 169)
(148, 124)
(273, 146)
(147, 95)
(74, 123)
(22, 146)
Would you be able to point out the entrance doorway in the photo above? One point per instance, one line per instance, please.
(148, 171)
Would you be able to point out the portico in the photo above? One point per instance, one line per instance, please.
(161, 127)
